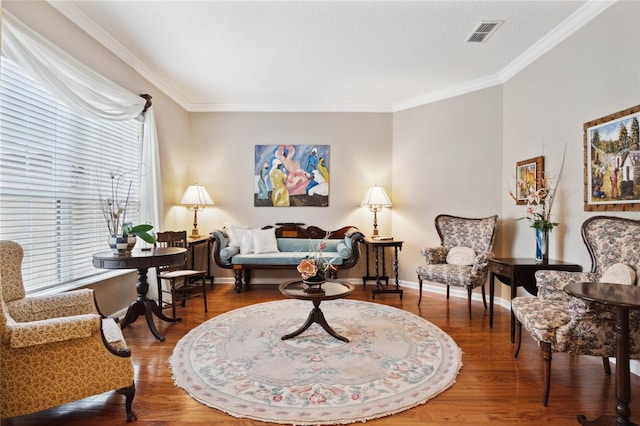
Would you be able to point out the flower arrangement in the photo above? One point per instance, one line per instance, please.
(314, 264)
(114, 210)
(540, 201)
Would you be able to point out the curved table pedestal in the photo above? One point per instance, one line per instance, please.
(142, 260)
(145, 306)
(316, 316)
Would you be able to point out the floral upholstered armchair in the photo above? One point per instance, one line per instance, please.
(462, 259)
(55, 349)
(563, 323)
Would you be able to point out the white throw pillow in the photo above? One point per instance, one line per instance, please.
(461, 256)
(246, 240)
(264, 241)
(232, 232)
(619, 273)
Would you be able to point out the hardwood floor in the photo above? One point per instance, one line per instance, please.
(492, 386)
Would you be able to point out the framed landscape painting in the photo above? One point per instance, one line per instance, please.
(612, 162)
(291, 176)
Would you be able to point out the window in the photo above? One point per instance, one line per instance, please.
(53, 163)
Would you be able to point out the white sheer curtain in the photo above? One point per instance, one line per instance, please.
(87, 91)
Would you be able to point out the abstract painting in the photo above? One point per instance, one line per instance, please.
(291, 176)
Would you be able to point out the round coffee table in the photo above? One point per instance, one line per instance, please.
(331, 289)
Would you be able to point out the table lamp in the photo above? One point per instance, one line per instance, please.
(196, 198)
(376, 199)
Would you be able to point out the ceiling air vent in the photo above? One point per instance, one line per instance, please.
(483, 31)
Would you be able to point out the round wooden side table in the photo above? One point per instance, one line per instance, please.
(624, 298)
(142, 260)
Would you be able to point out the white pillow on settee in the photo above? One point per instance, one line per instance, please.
(234, 234)
(264, 241)
(245, 237)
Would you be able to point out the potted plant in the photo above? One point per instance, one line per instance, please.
(122, 235)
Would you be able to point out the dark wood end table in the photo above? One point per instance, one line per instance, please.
(624, 298)
(520, 271)
(192, 242)
(378, 246)
(142, 260)
(331, 289)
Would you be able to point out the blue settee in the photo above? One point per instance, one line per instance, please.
(293, 241)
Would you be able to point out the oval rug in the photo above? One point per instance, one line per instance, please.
(237, 363)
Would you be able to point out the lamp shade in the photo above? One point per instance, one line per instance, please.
(196, 195)
(376, 196)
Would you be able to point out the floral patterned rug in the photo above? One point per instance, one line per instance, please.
(237, 363)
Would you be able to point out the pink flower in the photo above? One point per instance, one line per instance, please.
(317, 398)
(314, 264)
(276, 398)
(316, 358)
(307, 268)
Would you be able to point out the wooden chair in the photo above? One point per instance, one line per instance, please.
(559, 322)
(183, 283)
(462, 259)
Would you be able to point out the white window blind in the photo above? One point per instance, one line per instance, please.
(53, 163)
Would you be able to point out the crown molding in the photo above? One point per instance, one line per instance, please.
(88, 25)
(449, 92)
(289, 108)
(570, 25)
(573, 23)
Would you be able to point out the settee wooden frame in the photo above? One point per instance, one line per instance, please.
(287, 230)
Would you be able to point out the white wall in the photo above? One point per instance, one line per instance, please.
(447, 158)
(221, 157)
(593, 73)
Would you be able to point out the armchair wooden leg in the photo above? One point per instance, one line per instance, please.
(447, 292)
(129, 393)
(518, 338)
(420, 290)
(606, 365)
(546, 355)
(484, 299)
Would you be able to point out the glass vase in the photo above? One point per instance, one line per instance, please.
(542, 246)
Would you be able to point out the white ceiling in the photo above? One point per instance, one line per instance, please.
(325, 55)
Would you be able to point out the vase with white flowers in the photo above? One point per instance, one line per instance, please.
(539, 203)
(122, 235)
(315, 267)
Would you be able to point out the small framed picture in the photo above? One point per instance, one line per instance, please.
(528, 178)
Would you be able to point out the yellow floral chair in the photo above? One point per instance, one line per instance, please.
(55, 349)
(563, 323)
